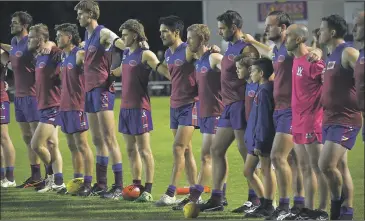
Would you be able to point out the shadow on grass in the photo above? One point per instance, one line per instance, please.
(25, 204)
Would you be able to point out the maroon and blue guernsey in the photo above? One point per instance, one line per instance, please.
(184, 89)
(47, 80)
(135, 76)
(97, 61)
(251, 89)
(23, 68)
(233, 88)
(283, 64)
(209, 87)
(359, 79)
(338, 93)
(73, 84)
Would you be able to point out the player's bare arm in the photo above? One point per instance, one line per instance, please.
(5, 47)
(107, 38)
(349, 57)
(5, 59)
(151, 59)
(80, 56)
(263, 49)
(215, 61)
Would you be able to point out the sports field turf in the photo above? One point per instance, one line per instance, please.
(27, 204)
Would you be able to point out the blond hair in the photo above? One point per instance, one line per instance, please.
(202, 31)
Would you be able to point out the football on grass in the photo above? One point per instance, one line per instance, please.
(132, 192)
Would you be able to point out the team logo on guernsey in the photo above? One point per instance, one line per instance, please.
(251, 93)
(299, 71)
(167, 59)
(132, 63)
(69, 66)
(256, 100)
(178, 62)
(331, 65)
(41, 64)
(362, 60)
(92, 48)
(203, 69)
(309, 136)
(18, 54)
(2, 106)
(281, 58)
(231, 57)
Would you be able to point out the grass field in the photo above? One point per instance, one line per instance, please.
(27, 204)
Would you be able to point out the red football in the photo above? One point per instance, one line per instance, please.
(132, 192)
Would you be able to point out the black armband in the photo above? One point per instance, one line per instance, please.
(157, 66)
(114, 42)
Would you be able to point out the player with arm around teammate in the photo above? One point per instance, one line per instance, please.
(45, 139)
(135, 118)
(359, 68)
(341, 117)
(7, 147)
(307, 115)
(72, 116)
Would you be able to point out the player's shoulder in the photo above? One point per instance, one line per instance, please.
(350, 51)
(215, 56)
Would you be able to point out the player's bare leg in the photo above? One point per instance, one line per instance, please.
(76, 156)
(269, 178)
(314, 151)
(107, 126)
(145, 152)
(252, 178)
(102, 154)
(222, 140)
(333, 157)
(310, 184)
(347, 186)
(182, 139)
(268, 183)
(134, 157)
(282, 146)
(27, 130)
(253, 199)
(8, 153)
(206, 159)
(297, 182)
(190, 165)
(82, 145)
(45, 144)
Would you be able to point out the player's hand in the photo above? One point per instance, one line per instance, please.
(247, 38)
(257, 152)
(48, 47)
(82, 44)
(6, 85)
(144, 45)
(215, 49)
(315, 55)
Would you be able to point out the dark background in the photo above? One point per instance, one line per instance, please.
(112, 15)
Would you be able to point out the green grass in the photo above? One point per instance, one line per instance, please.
(27, 204)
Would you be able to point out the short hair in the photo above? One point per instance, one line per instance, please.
(202, 31)
(337, 23)
(173, 23)
(71, 29)
(283, 18)
(24, 17)
(89, 6)
(136, 27)
(230, 18)
(41, 30)
(265, 65)
(247, 58)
